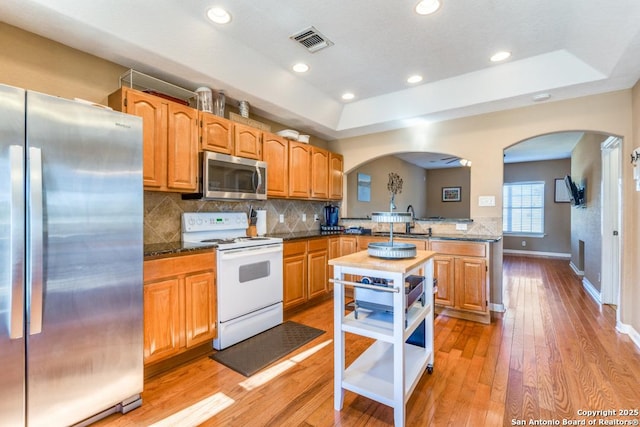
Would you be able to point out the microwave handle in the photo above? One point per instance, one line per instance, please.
(259, 178)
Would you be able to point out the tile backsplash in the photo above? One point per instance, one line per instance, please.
(163, 214)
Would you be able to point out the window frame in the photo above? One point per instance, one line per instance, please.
(530, 208)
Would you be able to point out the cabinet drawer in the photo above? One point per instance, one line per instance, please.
(179, 265)
(295, 248)
(321, 244)
(459, 248)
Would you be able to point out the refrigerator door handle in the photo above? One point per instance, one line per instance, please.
(16, 317)
(36, 236)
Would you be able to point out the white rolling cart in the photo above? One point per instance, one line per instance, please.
(389, 370)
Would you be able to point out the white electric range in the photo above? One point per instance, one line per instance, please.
(248, 271)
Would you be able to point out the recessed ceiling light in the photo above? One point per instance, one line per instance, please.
(500, 56)
(348, 96)
(427, 7)
(414, 79)
(219, 15)
(300, 67)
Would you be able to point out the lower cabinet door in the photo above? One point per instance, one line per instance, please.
(443, 272)
(317, 265)
(471, 285)
(162, 328)
(200, 308)
(294, 273)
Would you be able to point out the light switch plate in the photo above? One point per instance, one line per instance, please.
(281, 218)
(487, 201)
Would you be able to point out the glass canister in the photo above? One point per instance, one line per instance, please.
(243, 106)
(219, 104)
(205, 99)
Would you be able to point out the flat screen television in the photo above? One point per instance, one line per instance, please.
(576, 194)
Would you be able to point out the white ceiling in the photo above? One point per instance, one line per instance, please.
(566, 48)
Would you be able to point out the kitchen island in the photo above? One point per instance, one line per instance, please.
(389, 370)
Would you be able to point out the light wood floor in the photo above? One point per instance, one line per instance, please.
(553, 353)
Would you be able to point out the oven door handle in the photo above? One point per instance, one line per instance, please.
(250, 251)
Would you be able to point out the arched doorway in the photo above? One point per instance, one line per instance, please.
(592, 160)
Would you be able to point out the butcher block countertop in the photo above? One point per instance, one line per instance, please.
(362, 259)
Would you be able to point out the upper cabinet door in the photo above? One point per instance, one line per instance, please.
(336, 167)
(182, 148)
(248, 142)
(299, 170)
(319, 173)
(216, 133)
(154, 112)
(275, 151)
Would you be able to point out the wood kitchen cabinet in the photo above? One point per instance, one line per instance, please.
(299, 170)
(317, 262)
(294, 272)
(216, 133)
(179, 304)
(275, 151)
(247, 141)
(305, 270)
(336, 173)
(461, 271)
(319, 173)
(169, 139)
(333, 244)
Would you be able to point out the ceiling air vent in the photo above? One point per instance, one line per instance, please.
(311, 39)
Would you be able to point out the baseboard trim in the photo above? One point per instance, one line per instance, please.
(623, 328)
(537, 253)
(591, 290)
(498, 308)
(575, 269)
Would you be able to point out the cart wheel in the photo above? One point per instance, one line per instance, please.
(430, 368)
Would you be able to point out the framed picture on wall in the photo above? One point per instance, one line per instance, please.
(451, 194)
(364, 187)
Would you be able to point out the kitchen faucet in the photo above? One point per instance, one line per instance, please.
(410, 225)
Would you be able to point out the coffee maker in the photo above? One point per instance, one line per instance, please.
(331, 217)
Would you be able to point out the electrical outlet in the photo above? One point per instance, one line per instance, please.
(315, 218)
(281, 218)
(524, 243)
(304, 217)
(462, 226)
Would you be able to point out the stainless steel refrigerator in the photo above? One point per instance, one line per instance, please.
(71, 224)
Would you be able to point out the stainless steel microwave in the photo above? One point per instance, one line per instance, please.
(229, 177)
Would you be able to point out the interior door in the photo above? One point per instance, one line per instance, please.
(611, 238)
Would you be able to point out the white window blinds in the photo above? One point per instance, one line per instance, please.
(523, 209)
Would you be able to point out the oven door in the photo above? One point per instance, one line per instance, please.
(249, 279)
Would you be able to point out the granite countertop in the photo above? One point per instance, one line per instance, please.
(317, 233)
(466, 238)
(428, 219)
(172, 248)
(159, 249)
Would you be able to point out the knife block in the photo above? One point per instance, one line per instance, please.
(252, 231)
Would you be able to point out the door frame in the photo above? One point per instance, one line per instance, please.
(611, 221)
